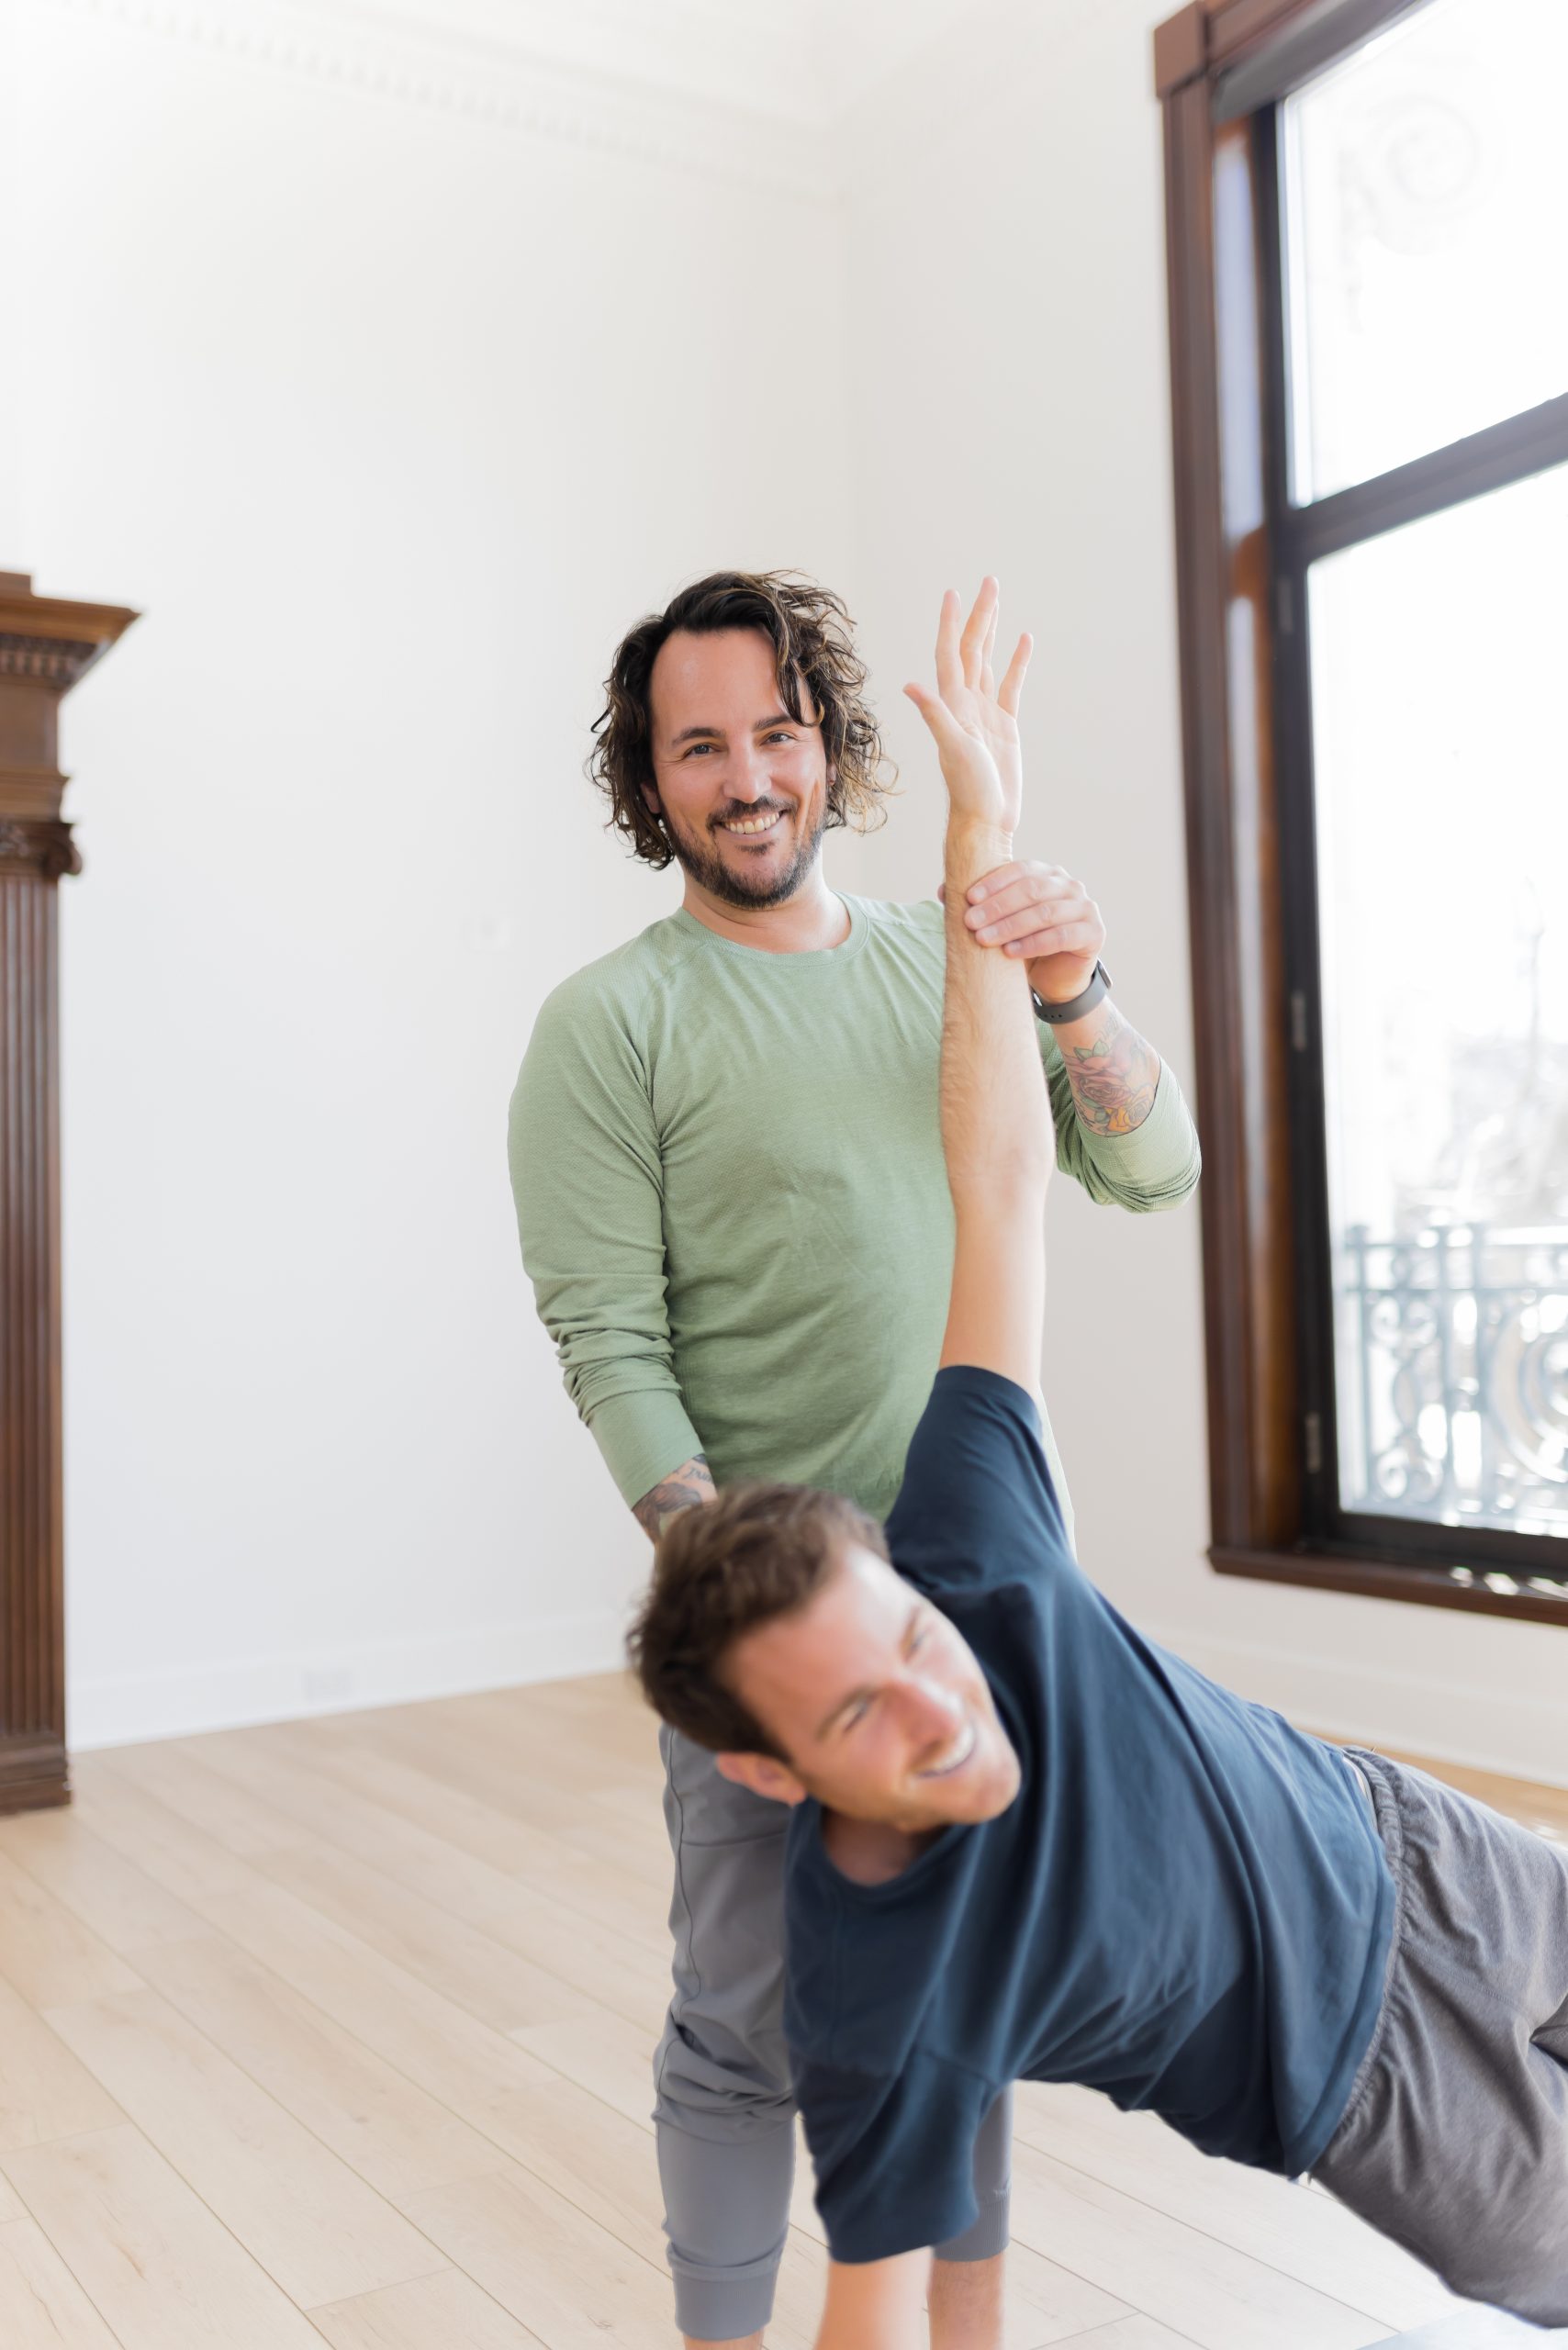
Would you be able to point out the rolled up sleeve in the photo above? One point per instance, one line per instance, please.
(1156, 1166)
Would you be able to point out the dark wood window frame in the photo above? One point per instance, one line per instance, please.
(1242, 552)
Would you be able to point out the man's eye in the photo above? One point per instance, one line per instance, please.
(699, 746)
(919, 1638)
(780, 737)
(856, 1713)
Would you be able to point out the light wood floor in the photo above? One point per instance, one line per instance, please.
(339, 2031)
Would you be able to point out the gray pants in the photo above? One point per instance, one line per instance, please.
(1454, 2140)
(724, 2115)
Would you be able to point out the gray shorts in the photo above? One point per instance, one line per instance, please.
(1454, 2140)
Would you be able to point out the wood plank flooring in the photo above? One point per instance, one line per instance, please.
(338, 2031)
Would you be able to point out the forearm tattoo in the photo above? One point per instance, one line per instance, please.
(685, 1488)
(1114, 1079)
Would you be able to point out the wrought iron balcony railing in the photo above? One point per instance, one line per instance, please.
(1453, 1375)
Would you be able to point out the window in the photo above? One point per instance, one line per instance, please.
(1368, 230)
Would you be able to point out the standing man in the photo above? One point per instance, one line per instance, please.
(733, 1207)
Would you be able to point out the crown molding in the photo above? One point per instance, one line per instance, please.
(377, 54)
(810, 63)
(764, 56)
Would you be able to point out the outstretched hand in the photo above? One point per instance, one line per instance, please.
(973, 720)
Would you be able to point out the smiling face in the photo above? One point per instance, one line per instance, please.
(742, 784)
(879, 1704)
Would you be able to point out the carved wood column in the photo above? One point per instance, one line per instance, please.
(45, 647)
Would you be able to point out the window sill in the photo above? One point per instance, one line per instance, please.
(1486, 1593)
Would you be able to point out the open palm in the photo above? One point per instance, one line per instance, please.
(974, 720)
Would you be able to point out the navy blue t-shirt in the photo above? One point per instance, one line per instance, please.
(1186, 1906)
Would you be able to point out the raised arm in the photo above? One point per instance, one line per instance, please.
(996, 1126)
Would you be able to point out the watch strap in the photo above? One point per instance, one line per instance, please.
(1057, 1015)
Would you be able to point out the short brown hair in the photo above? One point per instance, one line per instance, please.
(810, 631)
(724, 1569)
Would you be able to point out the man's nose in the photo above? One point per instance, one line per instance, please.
(747, 779)
(929, 1707)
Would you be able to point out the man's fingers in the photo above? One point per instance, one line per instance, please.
(987, 678)
(994, 930)
(976, 629)
(1036, 892)
(1027, 872)
(1033, 915)
(949, 650)
(1017, 670)
(937, 714)
(1065, 938)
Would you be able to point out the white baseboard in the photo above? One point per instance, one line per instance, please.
(117, 1711)
(1487, 1728)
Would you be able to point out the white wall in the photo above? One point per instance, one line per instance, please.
(10, 377)
(1006, 269)
(390, 417)
(389, 380)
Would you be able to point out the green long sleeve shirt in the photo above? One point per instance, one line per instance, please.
(732, 1202)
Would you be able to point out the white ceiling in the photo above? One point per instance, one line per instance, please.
(806, 62)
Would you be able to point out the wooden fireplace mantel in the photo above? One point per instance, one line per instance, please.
(46, 645)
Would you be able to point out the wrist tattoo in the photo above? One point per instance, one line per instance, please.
(687, 1487)
(1114, 1079)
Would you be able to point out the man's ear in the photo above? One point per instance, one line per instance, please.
(651, 794)
(764, 1776)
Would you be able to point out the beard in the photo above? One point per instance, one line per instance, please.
(704, 862)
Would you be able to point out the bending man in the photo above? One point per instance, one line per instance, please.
(1026, 1843)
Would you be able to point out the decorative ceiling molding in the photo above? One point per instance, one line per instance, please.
(365, 52)
(763, 55)
(810, 62)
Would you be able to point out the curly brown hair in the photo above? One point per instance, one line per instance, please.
(724, 1569)
(810, 631)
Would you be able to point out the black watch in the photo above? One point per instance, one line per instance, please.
(1056, 1016)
